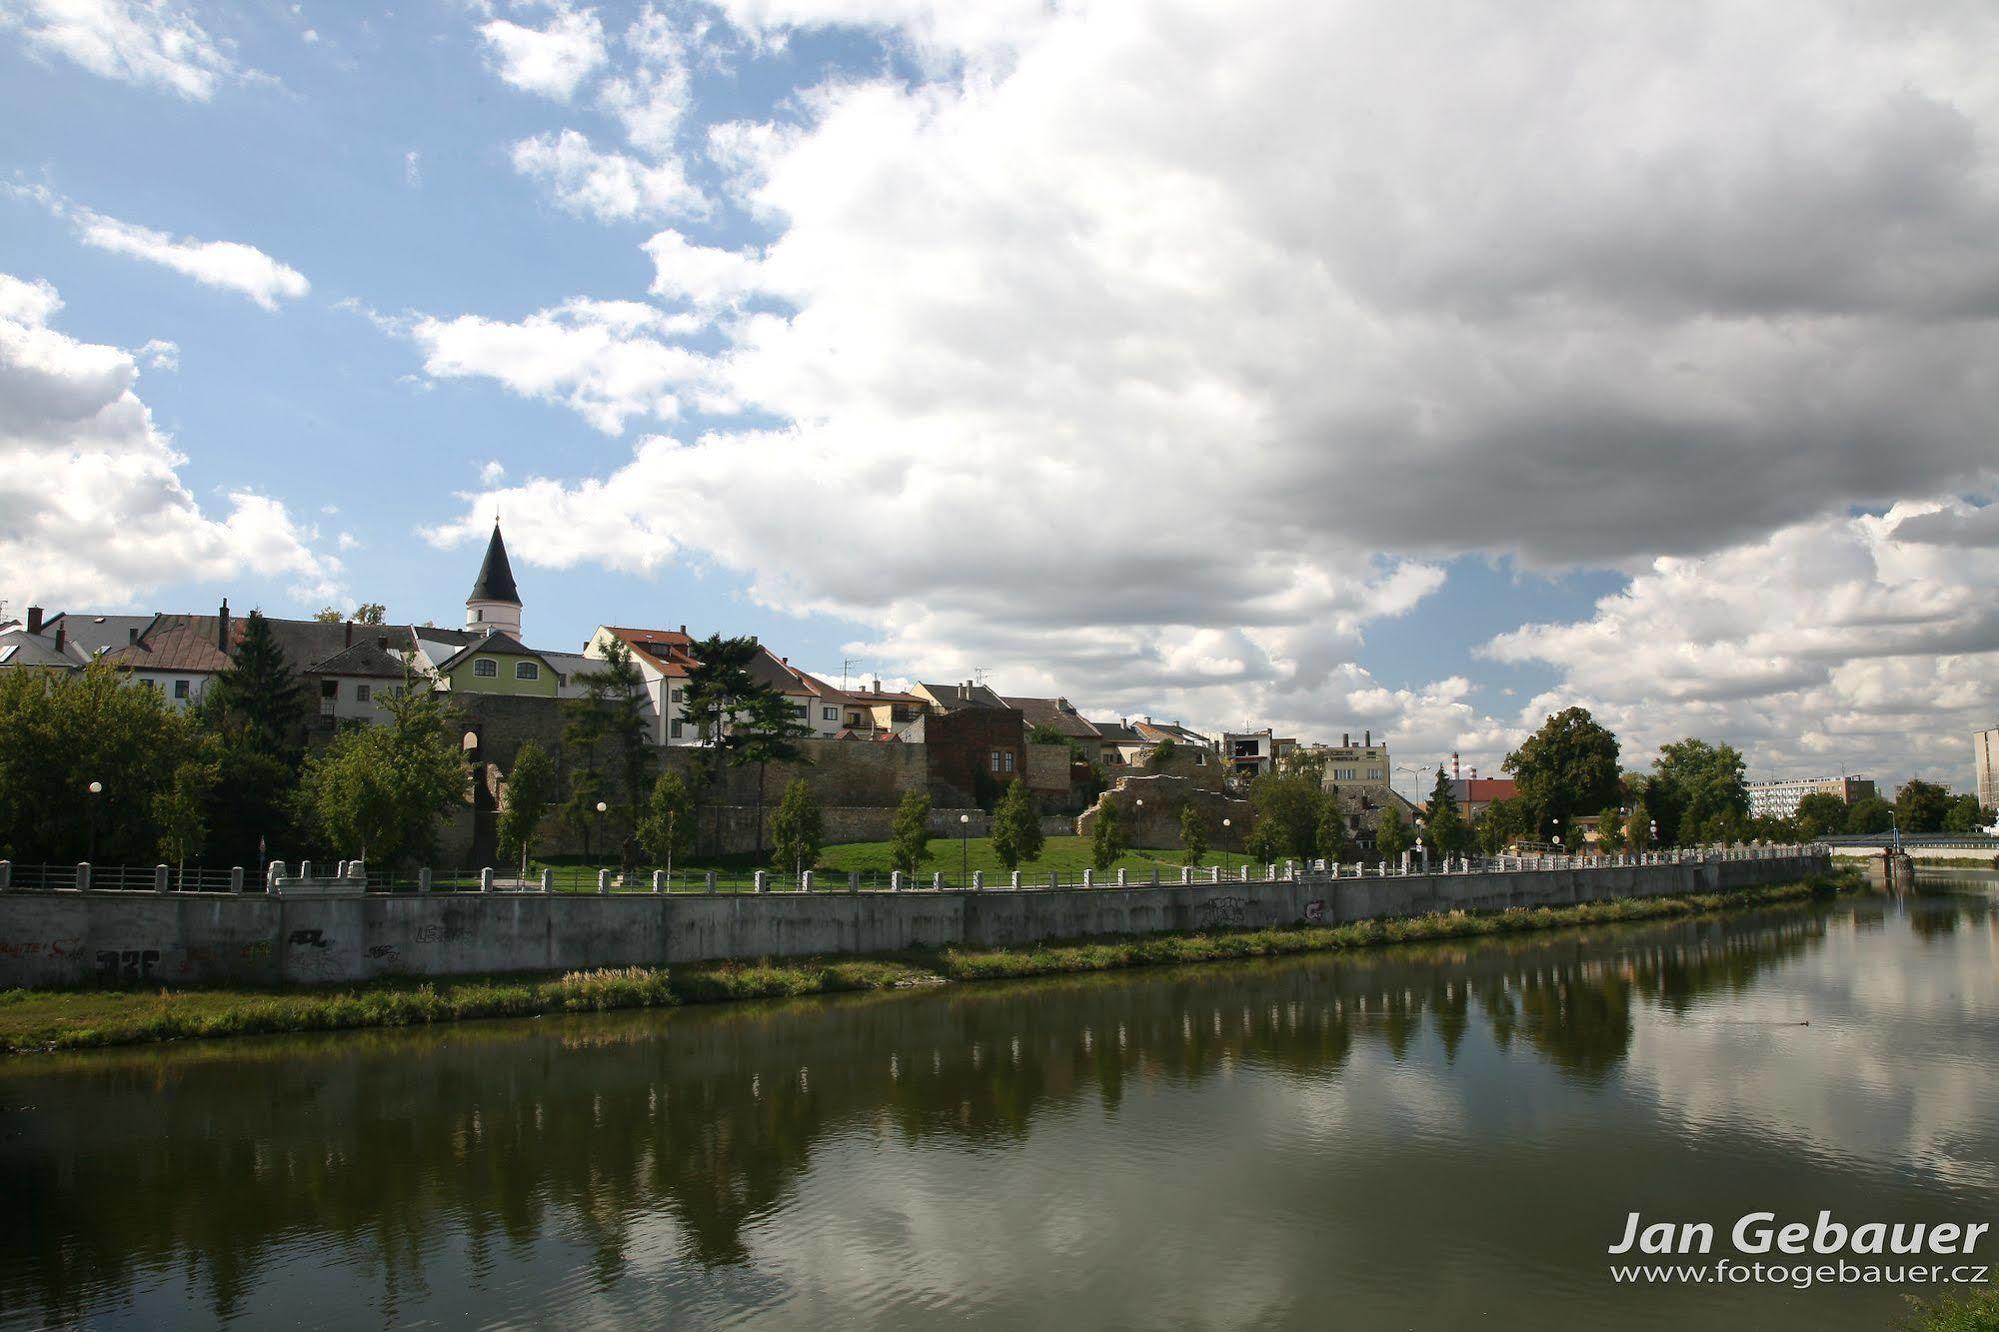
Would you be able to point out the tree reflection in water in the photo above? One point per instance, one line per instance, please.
(210, 1158)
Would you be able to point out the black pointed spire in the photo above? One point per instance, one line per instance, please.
(496, 576)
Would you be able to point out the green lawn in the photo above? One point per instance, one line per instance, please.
(1069, 855)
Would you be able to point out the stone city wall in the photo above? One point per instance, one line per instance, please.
(69, 937)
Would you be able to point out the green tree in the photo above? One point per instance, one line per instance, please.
(1638, 830)
(1290, 805)
(1017, 836)
(767, 730)
(1697, 791)
(1820, 814)
(1265, 844)
(532, 789)
(622, 691)
(380, 791)
(181, 810)
(1500, 823)
(1391, 839)
(1106, 838)
(909, 835)
(61, 731)
(668, 826)
(1193, 835)
(1567, 767)
(1443, 825)
(742, 717)
(370, 612)
(257, 711)
(1866, 817)
(1609, 832)
(798, 828)
(1332, 837)
(1920, 806)
(1965, 815)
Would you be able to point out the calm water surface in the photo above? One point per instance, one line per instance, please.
(1424, 1137)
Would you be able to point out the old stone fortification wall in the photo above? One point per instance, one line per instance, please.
(1166, 795)
(62, 938)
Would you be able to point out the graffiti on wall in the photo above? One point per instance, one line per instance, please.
(1315, 910)
(1221, 912)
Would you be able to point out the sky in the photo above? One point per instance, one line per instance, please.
(1415, 369)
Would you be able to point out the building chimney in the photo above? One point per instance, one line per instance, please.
(683, 631)
(348, 640)
(878, 684)
(1454, 765)
(382, 642)
(1346, 739)
(34, 619)
(131, 635)
(61, 634)
(1367, 740)
(222, 627)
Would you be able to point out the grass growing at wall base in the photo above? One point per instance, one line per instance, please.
(33, 1020)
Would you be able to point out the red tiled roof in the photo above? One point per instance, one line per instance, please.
(665, 650)
(182, 643)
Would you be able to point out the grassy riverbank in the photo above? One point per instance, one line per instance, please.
(33, 1020)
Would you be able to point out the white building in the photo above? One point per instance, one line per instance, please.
(1780, 799)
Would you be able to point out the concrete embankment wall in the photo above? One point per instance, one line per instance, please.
(55, 938)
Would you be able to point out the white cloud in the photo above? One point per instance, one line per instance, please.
(611, 187)
(151, 43)
(1180, 340)
(413, 168)
(702, 275)
(160, 354)
(1837, 644)
(92, 508)
(551, 61)
(606, 360)
(492, 472)
(230, 265)
(653, 98)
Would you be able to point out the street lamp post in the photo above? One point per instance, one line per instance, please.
(601, 807)
(1225, 833)
(96, 789)
(1556, 836)
(1422, 857)
(964, 850)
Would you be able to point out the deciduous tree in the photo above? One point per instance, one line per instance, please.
(532, 789)
(1567, 767)
(1391, 838)
(380, 791)
(1106, 839)
(1193, 835)
(909, 835)
(1920, 806)
(798, 828)
(1017, 836)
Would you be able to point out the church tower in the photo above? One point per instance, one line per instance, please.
(495, 603)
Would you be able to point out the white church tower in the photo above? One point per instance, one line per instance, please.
(495, 603)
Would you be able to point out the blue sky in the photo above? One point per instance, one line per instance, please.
(1171, 360)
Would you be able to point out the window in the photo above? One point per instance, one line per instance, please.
(485, 668)
(1009, 760)
(996, 759)
(363, 693)
(180, 689)
(675, 730)
(526, 670)
(829, 714)
(329, 689)
(804, 709)
(676, 695)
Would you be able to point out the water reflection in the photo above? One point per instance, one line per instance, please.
(422, 1160)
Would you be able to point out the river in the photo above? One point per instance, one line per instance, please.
(1435, 1136)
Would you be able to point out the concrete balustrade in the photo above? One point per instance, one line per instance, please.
(51, 936)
